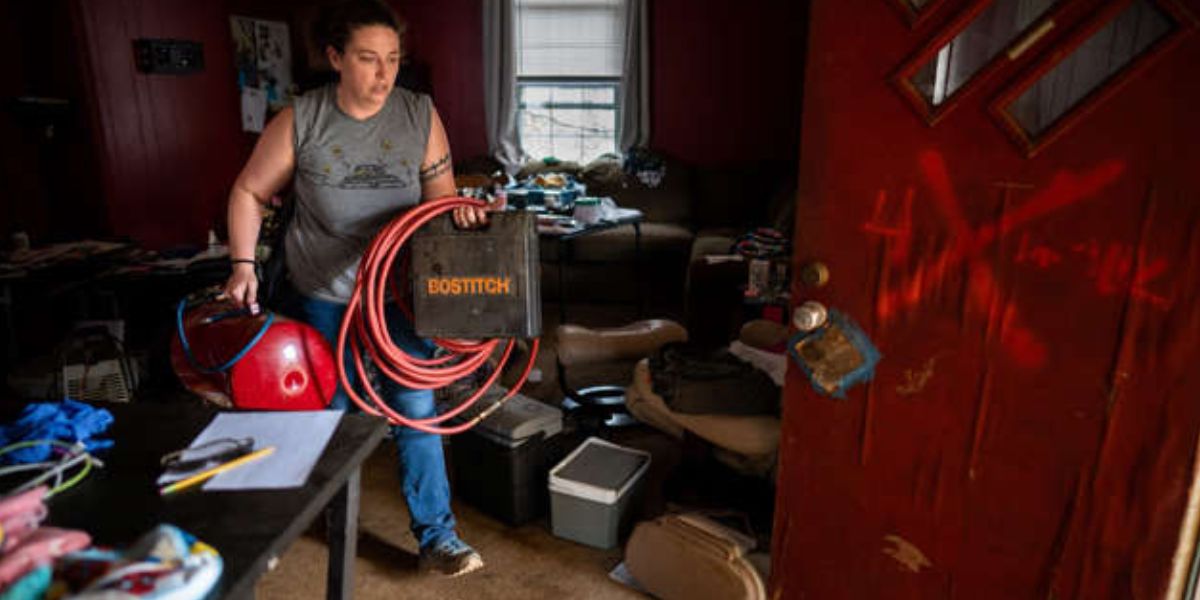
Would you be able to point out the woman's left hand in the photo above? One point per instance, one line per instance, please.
(470, 217)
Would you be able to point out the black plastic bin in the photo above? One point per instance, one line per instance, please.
(501, 467)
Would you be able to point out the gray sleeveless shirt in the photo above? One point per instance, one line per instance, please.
(352, 177)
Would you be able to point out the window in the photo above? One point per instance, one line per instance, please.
(916, 10)
(1040, 106)
(972, 49)
(570, 120)
(980, 35)
(569, 60)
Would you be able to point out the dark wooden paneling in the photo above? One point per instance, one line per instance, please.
(171, 145)
(447, 36)
(46, 153)
(726, 79)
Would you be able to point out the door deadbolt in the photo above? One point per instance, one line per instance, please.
(814, 274)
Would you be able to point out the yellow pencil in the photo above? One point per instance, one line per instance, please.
(221, 468)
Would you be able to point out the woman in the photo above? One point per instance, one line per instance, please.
(357, 152)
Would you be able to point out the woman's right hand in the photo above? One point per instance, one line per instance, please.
(242, 287)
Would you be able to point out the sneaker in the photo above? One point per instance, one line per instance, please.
(451, 558)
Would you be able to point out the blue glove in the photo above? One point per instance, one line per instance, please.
(66, 421)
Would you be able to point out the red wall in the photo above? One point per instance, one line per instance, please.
(725, 89)
(726, 79)
(169, 145)
(447, 35)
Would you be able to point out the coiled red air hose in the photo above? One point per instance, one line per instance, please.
(364, 327)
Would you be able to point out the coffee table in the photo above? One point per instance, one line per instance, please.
(251, 529)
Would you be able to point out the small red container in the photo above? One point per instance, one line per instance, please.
(289, 367)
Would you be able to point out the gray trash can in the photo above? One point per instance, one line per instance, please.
(591, 491)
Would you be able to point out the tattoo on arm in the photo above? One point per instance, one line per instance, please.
(438, 167)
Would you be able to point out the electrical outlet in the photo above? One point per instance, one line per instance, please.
(169, 57)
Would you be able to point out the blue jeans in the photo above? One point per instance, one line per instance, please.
(422, 464)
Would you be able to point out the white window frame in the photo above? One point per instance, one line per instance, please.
(570, 82)
(607, 80)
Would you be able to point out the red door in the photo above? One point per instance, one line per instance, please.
(1006, 194)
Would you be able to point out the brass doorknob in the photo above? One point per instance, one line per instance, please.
(814, 274)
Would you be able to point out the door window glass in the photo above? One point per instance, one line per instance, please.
(1089, 66)
(988, 34)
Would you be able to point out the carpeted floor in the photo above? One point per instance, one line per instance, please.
(523, 562)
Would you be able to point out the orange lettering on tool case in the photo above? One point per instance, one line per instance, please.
(463, 286)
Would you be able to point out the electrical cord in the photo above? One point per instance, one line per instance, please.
(73, 454)
(20, 468)
(364, 330)
(187, 347)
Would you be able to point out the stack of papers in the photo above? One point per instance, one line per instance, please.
(298, 437)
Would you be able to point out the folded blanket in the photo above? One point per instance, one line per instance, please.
(39, 548)
(20, 516)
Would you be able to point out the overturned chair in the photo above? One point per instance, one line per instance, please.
(617, 348)
(742, 422)
(741, 425)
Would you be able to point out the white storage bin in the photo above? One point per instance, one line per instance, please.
(591, 491)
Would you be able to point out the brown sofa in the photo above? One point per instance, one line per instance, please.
(602, 267)
(692, 204)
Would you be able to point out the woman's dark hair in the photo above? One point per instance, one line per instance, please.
(338, 20)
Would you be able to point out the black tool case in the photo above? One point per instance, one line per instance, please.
(501, 465)
(477, 283)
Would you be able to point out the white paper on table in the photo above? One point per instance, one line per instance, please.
(299, 438)
(254, 109)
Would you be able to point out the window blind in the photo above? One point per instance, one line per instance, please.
(569, 38)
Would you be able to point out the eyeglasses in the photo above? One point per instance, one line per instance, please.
(214, 452)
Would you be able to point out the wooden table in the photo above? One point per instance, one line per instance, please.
(251, 529)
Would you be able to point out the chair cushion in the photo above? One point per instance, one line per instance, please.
(582, 345)
(688, 557)
(738, 196)
(710, 243)
(669, 202)
(764, 335)
(754, 436)
(659, 240)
